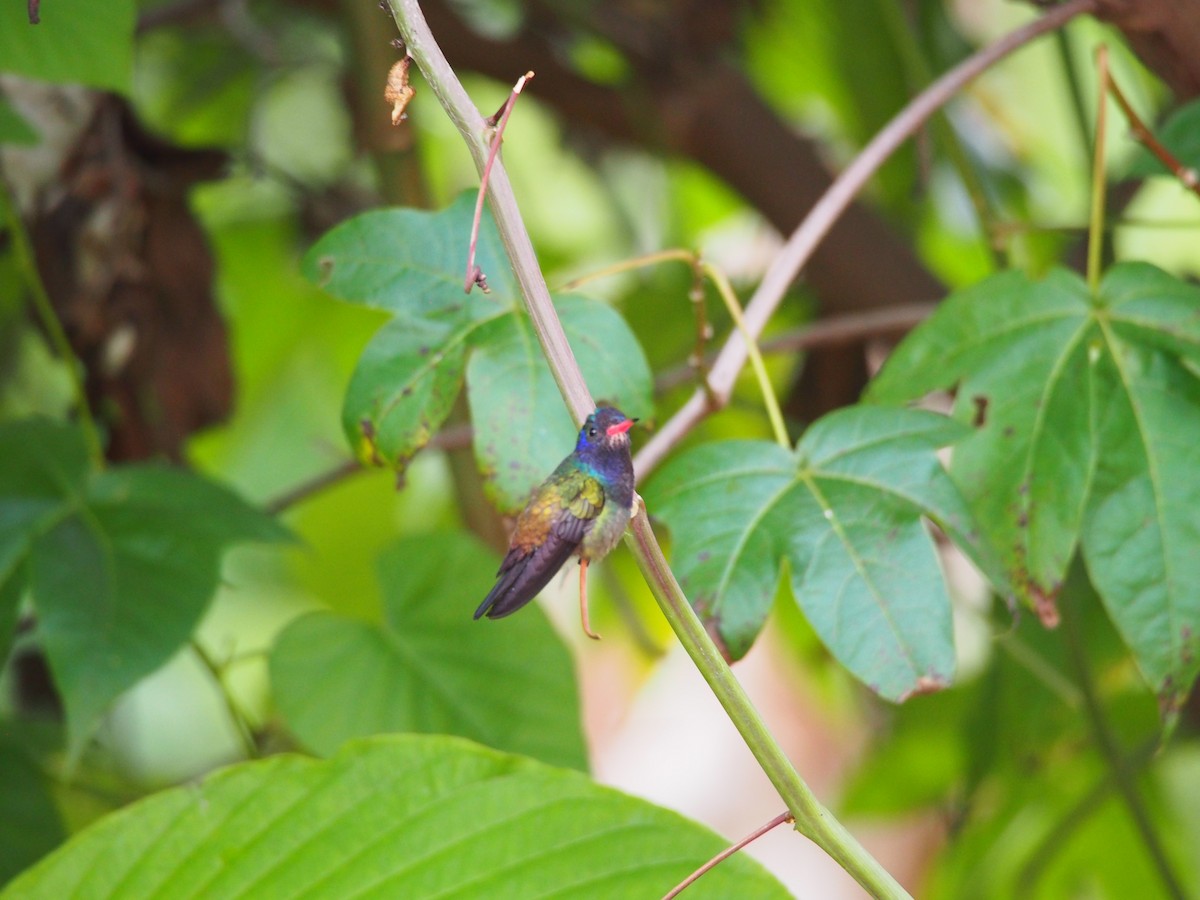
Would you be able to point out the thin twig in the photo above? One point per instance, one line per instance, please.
(891, 322)
(784, 816)
(475, 275)
(454, 438)
(725, 290)
(1186, 175)
(237, 715)
(1095, 254)
(812, 819)
(804, 240)
(27, 265)
(698, 359)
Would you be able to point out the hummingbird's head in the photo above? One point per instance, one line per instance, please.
(606, 428)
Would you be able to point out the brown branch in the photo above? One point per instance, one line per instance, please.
(840, 331)
(800, 246)
(1144, 136)
(475, 275)
(784, 816)
(454, 438)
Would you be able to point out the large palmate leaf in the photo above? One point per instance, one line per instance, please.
(411, 264)
(392, 817)
(431, 668)
(845, 511)
(1087, 413)
(120, 565)
(71, 44)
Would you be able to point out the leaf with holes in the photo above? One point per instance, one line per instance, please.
(120, 565)
(393, 817)
(431, 668)
(1087, 415)
(845, 511)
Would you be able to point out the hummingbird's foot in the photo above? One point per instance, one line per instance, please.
(583, 604)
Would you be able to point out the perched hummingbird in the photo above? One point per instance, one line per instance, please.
(583, 508)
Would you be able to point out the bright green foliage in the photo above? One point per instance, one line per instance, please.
(845, 512)
(13, 127)
(120, 564)
(76, 42)
(431, 668)
(393, 817)
(1087, 421)
(411, 264)
(1180, 135)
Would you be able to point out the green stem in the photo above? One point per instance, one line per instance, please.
(1106, 741)
(725, 289)
(812, 819)
(237, 715)
(1096, 220)
(27, 265)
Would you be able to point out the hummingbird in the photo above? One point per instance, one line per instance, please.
(582, 508)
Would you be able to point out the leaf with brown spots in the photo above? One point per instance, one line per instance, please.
(1089, 443)
(846, 511)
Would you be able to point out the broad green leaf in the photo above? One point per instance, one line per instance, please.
(75, 43)
(522, 429)
(411, 264)
(30, 825)
(392, 817)
(845, 511)
(1180, 135)
(120, 565)
(14, 129)
(1086, 421)
(404, 386)
(430, 667)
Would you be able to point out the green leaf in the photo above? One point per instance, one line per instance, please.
(1090, 421)
(30, 824)
(14, 129)
(404, 386)
(411, 263)
(845, 511)
(72, 44)
(393, 817)
(522, 429)
(431, 668)
(1180, 135)
(120, 565)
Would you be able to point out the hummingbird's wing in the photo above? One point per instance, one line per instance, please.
(547, 533)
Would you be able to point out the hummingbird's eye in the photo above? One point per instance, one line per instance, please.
(592, 431)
